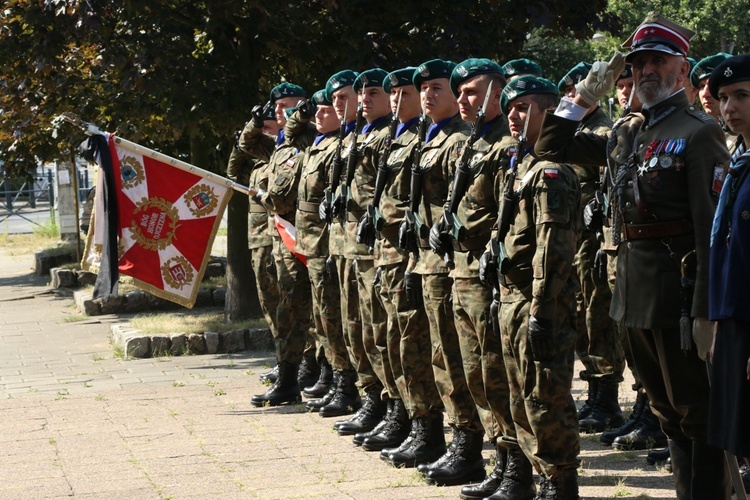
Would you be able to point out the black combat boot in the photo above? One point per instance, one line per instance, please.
(270, 376)
(359, 437)
(590, 398)
(308, 372)
(605, 409)
(405, 444)
(346, 398)
(657, 455)
(284, 391)
(427, 445)
(370, 413)
(562, 487)
(323, 384)
(314, 405)
(641, 402)
(518, 479)
(491, 482)
(647, 434)
(393, 433)
(465, 464)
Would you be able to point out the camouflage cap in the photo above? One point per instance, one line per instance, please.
(658, 33)
(575, 75)
(371, 78)
(470, 68)
(398, 78)
(321, 98)
(286, 89)
(432, 70)
(732, 70)
(522, 66)
(706, 66)
(340, 80)
(626, 73)
(525, 85)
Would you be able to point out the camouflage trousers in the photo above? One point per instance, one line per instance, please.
(267, 283)
(393, 301)
(295, 304)
(482, 359)
(447, 365)
(598, 344)
(542, 407)
(351, 322)
(374, 322)
(326, 304)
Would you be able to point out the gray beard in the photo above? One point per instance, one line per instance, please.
(654, 95)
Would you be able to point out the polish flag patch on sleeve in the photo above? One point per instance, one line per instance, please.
(551, 173)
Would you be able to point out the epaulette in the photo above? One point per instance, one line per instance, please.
(700, 114)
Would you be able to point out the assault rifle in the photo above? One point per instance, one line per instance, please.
(372, 221)
(340, 205)
(336, 169)
(412, 228)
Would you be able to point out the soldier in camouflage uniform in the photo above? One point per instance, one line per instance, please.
(664, 199)
(402, 317)
(598, 346)
(312, 242)
(537, 312)
(293, 312)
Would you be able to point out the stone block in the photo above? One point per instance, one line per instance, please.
(113, 304)
(212, 342)
(136, 301)
(178, 344)
(232, 341)
(196, 344)
(259, 339)
(86, 278)
(204, 298)
(215, 268)
(159, 345)
(219, 296)
(137, 347)
(63, 278)
(43, 262)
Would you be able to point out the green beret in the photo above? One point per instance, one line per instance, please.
(471, 68)
(432, 70)
(289, 112)
(626, 73)
(524, 85)
(692, 62)
(340, 80)
(706, 66)
(287, 89)
(321, 98)
(732, 70)
(269, 112)
(371, 78)
(575, 75)
(398, 78)
(522, 67)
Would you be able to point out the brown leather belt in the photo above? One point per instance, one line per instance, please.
(657, 230)
(256, 208)
(306, 206)
(516, 277)
(470, 244)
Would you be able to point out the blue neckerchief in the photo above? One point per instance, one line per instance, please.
(280, 138)
(435, 128)
(403, 127)
(514, 158)
(320, 137)
(369, 126)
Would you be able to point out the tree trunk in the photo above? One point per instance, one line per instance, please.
(242, 295)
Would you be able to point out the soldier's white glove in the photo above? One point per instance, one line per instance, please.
(601, 79)
(703, 335)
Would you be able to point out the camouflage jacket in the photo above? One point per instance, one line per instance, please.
(543, 236)
(588, 175)
(437, 163)
(395, 198)
(362, 188)
(490, 158)
(243, 169)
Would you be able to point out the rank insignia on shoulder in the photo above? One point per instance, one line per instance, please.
(551, 173)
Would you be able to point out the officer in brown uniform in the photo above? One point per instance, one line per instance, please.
(537, 236)
(598, 345)
(293, 312)
(386, 211)
(664, 198)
